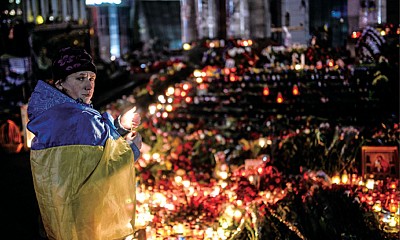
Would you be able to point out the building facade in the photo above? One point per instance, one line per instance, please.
(116, 26)
(50, 11)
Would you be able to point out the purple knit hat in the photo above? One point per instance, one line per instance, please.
(71, 60)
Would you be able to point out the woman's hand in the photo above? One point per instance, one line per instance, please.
(134, 137)
(130, 119)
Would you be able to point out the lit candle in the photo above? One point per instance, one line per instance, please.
(237, 215)
(179, 229)
(393, 207)
(345, 178)
(279, 98)
(336, 179)
(178, 179)
(223, 184)
(186, 183)
(392, 222)
(209, 233)
(377, 206)
(223, 174)
(354, 179)
(393, 185)
(370, 184)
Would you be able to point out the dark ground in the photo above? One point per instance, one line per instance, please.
(19, 211)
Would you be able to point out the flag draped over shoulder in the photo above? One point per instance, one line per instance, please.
(83, 170)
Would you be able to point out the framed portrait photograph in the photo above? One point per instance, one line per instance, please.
(381, 161)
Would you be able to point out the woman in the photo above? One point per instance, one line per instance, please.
(82, 161)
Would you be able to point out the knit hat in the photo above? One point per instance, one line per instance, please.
(71, 60)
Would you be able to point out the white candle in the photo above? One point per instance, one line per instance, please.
(302, 59)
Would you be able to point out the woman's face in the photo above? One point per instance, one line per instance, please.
(80, 85)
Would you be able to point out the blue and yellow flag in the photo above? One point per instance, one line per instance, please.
(83, 170)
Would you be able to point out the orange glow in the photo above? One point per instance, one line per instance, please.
(197, 73)
(185, 86)
(345, 178)
(330, 63)
(186, 46)
(245, 43)
(188, 99)
(318, 65)
(169, 108)
(355, 34)
(183, 94)
(232, 77)
(336, 179)
(177, 92)
(203, 86)
(266, 91)
(279, 99)
(393, 207)
(295, 90)
(227, 71)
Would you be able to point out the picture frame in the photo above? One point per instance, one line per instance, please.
(380, 161)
